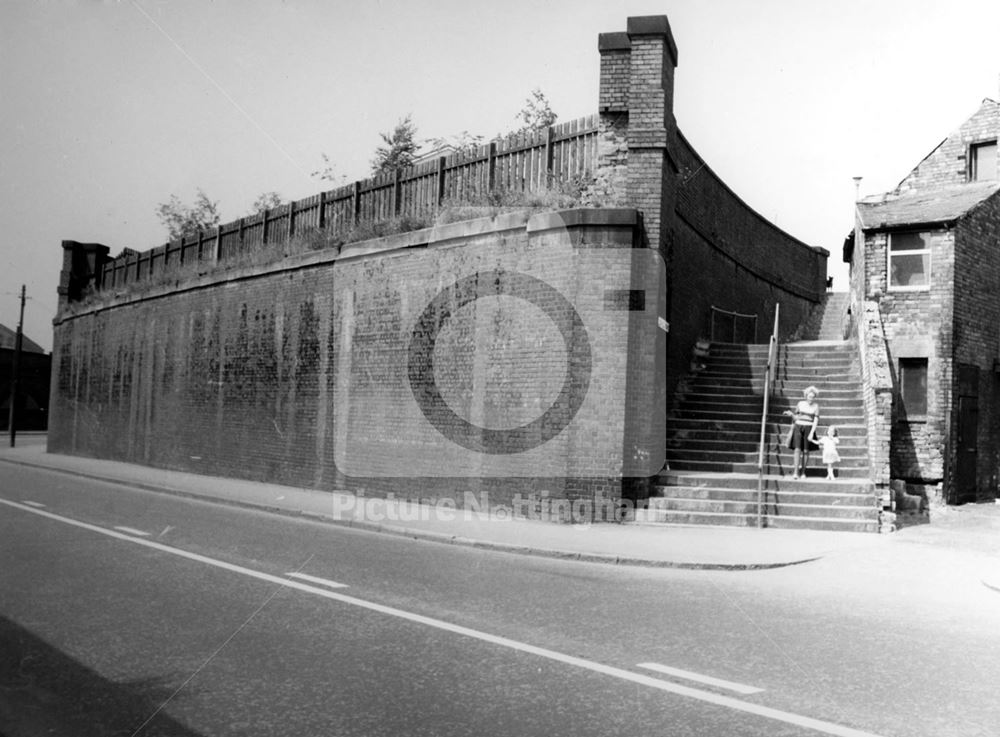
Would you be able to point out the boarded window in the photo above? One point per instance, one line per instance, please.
(913, 386)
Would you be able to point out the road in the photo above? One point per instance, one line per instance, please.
(128, 612)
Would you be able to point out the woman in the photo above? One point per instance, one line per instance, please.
(806, 416)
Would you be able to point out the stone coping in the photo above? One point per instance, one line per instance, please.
(433, 236)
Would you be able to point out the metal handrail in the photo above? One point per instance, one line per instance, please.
(772, 352)
(735, 315)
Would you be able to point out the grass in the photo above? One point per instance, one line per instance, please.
(561, 195)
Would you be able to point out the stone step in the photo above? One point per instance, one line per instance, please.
(703, 400)
(797, 379)
(681, 427)
(730, 388)
(749, 495)
(735, 363)
(826, 418)
(815, 482)
(782, 464)
(722, 519)
(751, 443)
(832, 510)
(798, 346)
(849, 455)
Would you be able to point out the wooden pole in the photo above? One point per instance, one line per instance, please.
(15, 373)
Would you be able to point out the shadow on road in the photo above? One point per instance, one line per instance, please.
(45, 692)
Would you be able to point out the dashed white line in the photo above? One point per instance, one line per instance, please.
(707, 680)
(132, 531)
(39, 505)
(818, 725)
(317, 579)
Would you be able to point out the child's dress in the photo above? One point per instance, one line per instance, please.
(829, 446)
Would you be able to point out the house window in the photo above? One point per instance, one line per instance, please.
(983, 161)
(913, 387)
(909, 260)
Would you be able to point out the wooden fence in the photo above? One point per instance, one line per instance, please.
(524, 162)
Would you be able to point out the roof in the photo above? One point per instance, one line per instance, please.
(8, 338)
(941, 205)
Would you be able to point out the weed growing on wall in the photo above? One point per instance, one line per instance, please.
(580, 191)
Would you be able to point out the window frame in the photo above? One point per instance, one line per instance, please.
(889, 253)
(904, 364)
(974, 160)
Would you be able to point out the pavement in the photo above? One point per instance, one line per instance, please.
(972, 529)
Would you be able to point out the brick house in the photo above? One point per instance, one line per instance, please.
(34, 368)
(926, 253)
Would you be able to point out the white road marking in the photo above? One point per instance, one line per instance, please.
(626, 675)
(317, 579)
(708, 680)
(133, 531)
(39, 505)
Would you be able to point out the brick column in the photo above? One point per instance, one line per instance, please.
(612, 139)
(83, 265)
(652, 186)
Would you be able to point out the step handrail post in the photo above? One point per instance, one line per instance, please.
(772, 353)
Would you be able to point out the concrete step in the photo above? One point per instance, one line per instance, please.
(826, 418)
(832, 510)
(748, 495)
(784, 464)
(751, 444)
(683, 457)
(690, 388)
(723, 519)
(779, 404)
(680, 429)
(815, 482)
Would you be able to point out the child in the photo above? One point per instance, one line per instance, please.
(829, 444)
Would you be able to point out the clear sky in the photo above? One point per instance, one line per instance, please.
(108, 108)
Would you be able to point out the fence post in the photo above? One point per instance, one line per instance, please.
(217, 256)
(440, 181)
(263, 229)
(396, 192)
(356, 202)
(291, 220)
(491, 167)
(549, 155)
(322, 210)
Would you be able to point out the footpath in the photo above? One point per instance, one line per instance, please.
(973, 529)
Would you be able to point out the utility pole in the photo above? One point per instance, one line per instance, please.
(15, 368)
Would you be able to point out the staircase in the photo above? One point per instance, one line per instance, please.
(714, 433)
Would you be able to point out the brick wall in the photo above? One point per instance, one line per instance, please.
(918, 324)
(252, 372)
(718, 251)
(948, 164)
(32, 406)
(298, 373)
(976, 328)
(728, 256)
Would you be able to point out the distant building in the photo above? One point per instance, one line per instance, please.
(35, 368)
(928, 252)
(434, 153)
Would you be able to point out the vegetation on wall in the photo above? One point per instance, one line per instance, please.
(181, 219)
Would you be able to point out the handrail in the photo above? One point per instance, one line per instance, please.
(718, 310)
(772, 352)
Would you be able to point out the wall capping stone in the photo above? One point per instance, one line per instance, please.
(387, 245)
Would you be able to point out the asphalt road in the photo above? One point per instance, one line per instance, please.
(125, 612)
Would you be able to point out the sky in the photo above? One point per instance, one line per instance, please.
(109, 108)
